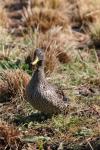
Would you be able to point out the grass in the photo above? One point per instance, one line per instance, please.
(76, 78)
(82, 121)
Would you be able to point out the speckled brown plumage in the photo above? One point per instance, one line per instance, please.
(41, 95)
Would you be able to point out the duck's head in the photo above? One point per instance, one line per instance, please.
(39, 57)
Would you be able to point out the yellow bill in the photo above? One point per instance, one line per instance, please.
(35, 61)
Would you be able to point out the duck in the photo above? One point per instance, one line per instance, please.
(43, 96)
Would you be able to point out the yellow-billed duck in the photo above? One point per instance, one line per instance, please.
(40, 94)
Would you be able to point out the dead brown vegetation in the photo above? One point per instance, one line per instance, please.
(56, 46)
(12, 83)
(35, 14)
(44, 18)
(47, 13)
(9, 137)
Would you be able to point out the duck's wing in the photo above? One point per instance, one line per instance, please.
(60, 93)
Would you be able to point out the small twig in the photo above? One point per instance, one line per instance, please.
(90, 145)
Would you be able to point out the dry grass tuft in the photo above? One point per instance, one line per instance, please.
(59, 46)
(12, 83)
(44, 18)
(47, 13)
(54, 43)
(89, 12)
(42, 13)
(9, 137)
(56, 46)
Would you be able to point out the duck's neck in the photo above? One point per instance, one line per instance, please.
(39, 74)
